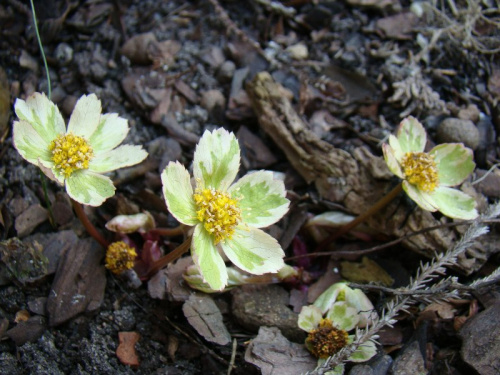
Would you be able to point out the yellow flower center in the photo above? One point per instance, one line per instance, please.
(120, 257)
(219, 213)
(70, 152)
(420, 170)
(326, 340)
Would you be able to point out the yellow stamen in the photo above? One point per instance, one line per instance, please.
(120, 257)
(326, 340)
(70, 152)
(219, 213)
(420, 170)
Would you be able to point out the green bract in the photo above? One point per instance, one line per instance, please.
(75, 157)
(226, 217)
(427, 177)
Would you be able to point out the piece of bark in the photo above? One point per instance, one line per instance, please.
(79, 282)
(33, 216)
(355, 180)
(126, 349)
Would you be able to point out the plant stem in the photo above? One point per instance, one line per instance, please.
(170, 232)
(170, 257)
(35, 23)
(361, 218)
(88, 225)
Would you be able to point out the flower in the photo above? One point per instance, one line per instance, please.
(75, 157)
(226, 217)
(328, 335)
(120, 257)
(427, 177)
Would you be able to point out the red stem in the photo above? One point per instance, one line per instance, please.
(170, 257)
(80, 212)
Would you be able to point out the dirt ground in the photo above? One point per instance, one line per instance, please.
(348, 73)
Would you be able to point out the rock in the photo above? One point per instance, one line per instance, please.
(33, 216)
(79, 282)
(274, 354)
(453, 130)
(410, 361)
(481, 346)
(28, 331)
(64, 53)
(298, 51)
(254, 153)
(378, 365)
(213, 56)
(489, 185)
(212, 100)
(226, 71)
(25, 262)
(38, 305)
(471, 113)
(255, 306)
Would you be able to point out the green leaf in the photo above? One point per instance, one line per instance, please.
(455, 203)
(263, 199)
(85, 117)
(89, 188)
(42, 115)
(178, 193)
(120, 157)
(309, 318)
(207, 259)
(254, 251)
(329, 296)
(411, 135)
(216, 159)
(454, 163)
(110, 132)
(343, 316)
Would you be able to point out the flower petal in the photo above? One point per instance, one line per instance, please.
(343, 316)
(454, 163)
(309, 318)
(110, 132)
(42, 115)
(207, 259)
(217, 159)
(455, 203)
(30, 144)
(48, 170)
(89, 188)
(423, 199)
(178, 193)
(123, 156)
(396, 148)
(254, 251)
(263, 199)
(391, 161)
(364, 352)
(411, 135)
(85, 117)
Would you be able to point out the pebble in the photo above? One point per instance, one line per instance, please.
(410, 361)
(212, 99)
(226, 71)
(452, 130)
(298, 51)
(28, 331)
(64, 53)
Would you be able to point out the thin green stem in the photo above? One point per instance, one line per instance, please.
(88, 225)
(170, 257)
(35, 23)
(361, 218)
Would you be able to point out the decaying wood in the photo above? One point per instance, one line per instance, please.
(355, 180)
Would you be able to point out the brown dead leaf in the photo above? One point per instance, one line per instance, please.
(272, 353)
(365, 272)
(205, 317)
(399, 26)
(126, 349)
(136, 48)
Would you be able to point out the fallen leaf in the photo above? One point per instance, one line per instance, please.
(126, 349)
(205, 317)
(272, 353)
(365, 272)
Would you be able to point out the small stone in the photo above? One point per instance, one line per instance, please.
(28, 331)
(213, 56)
(64, 53)
(38, 305)
(32, 217)
(410, 361)
(481, 346)
(470, 113)
(212, 99)
(226, 71)
(455, 130)
(126, 349)
(298, 51)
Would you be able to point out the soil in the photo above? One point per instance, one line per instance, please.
(350, 69)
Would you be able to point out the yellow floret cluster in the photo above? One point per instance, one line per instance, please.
(120, 257)
(420, 170)
(70, 152)
(326, 340)
(218, 212)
